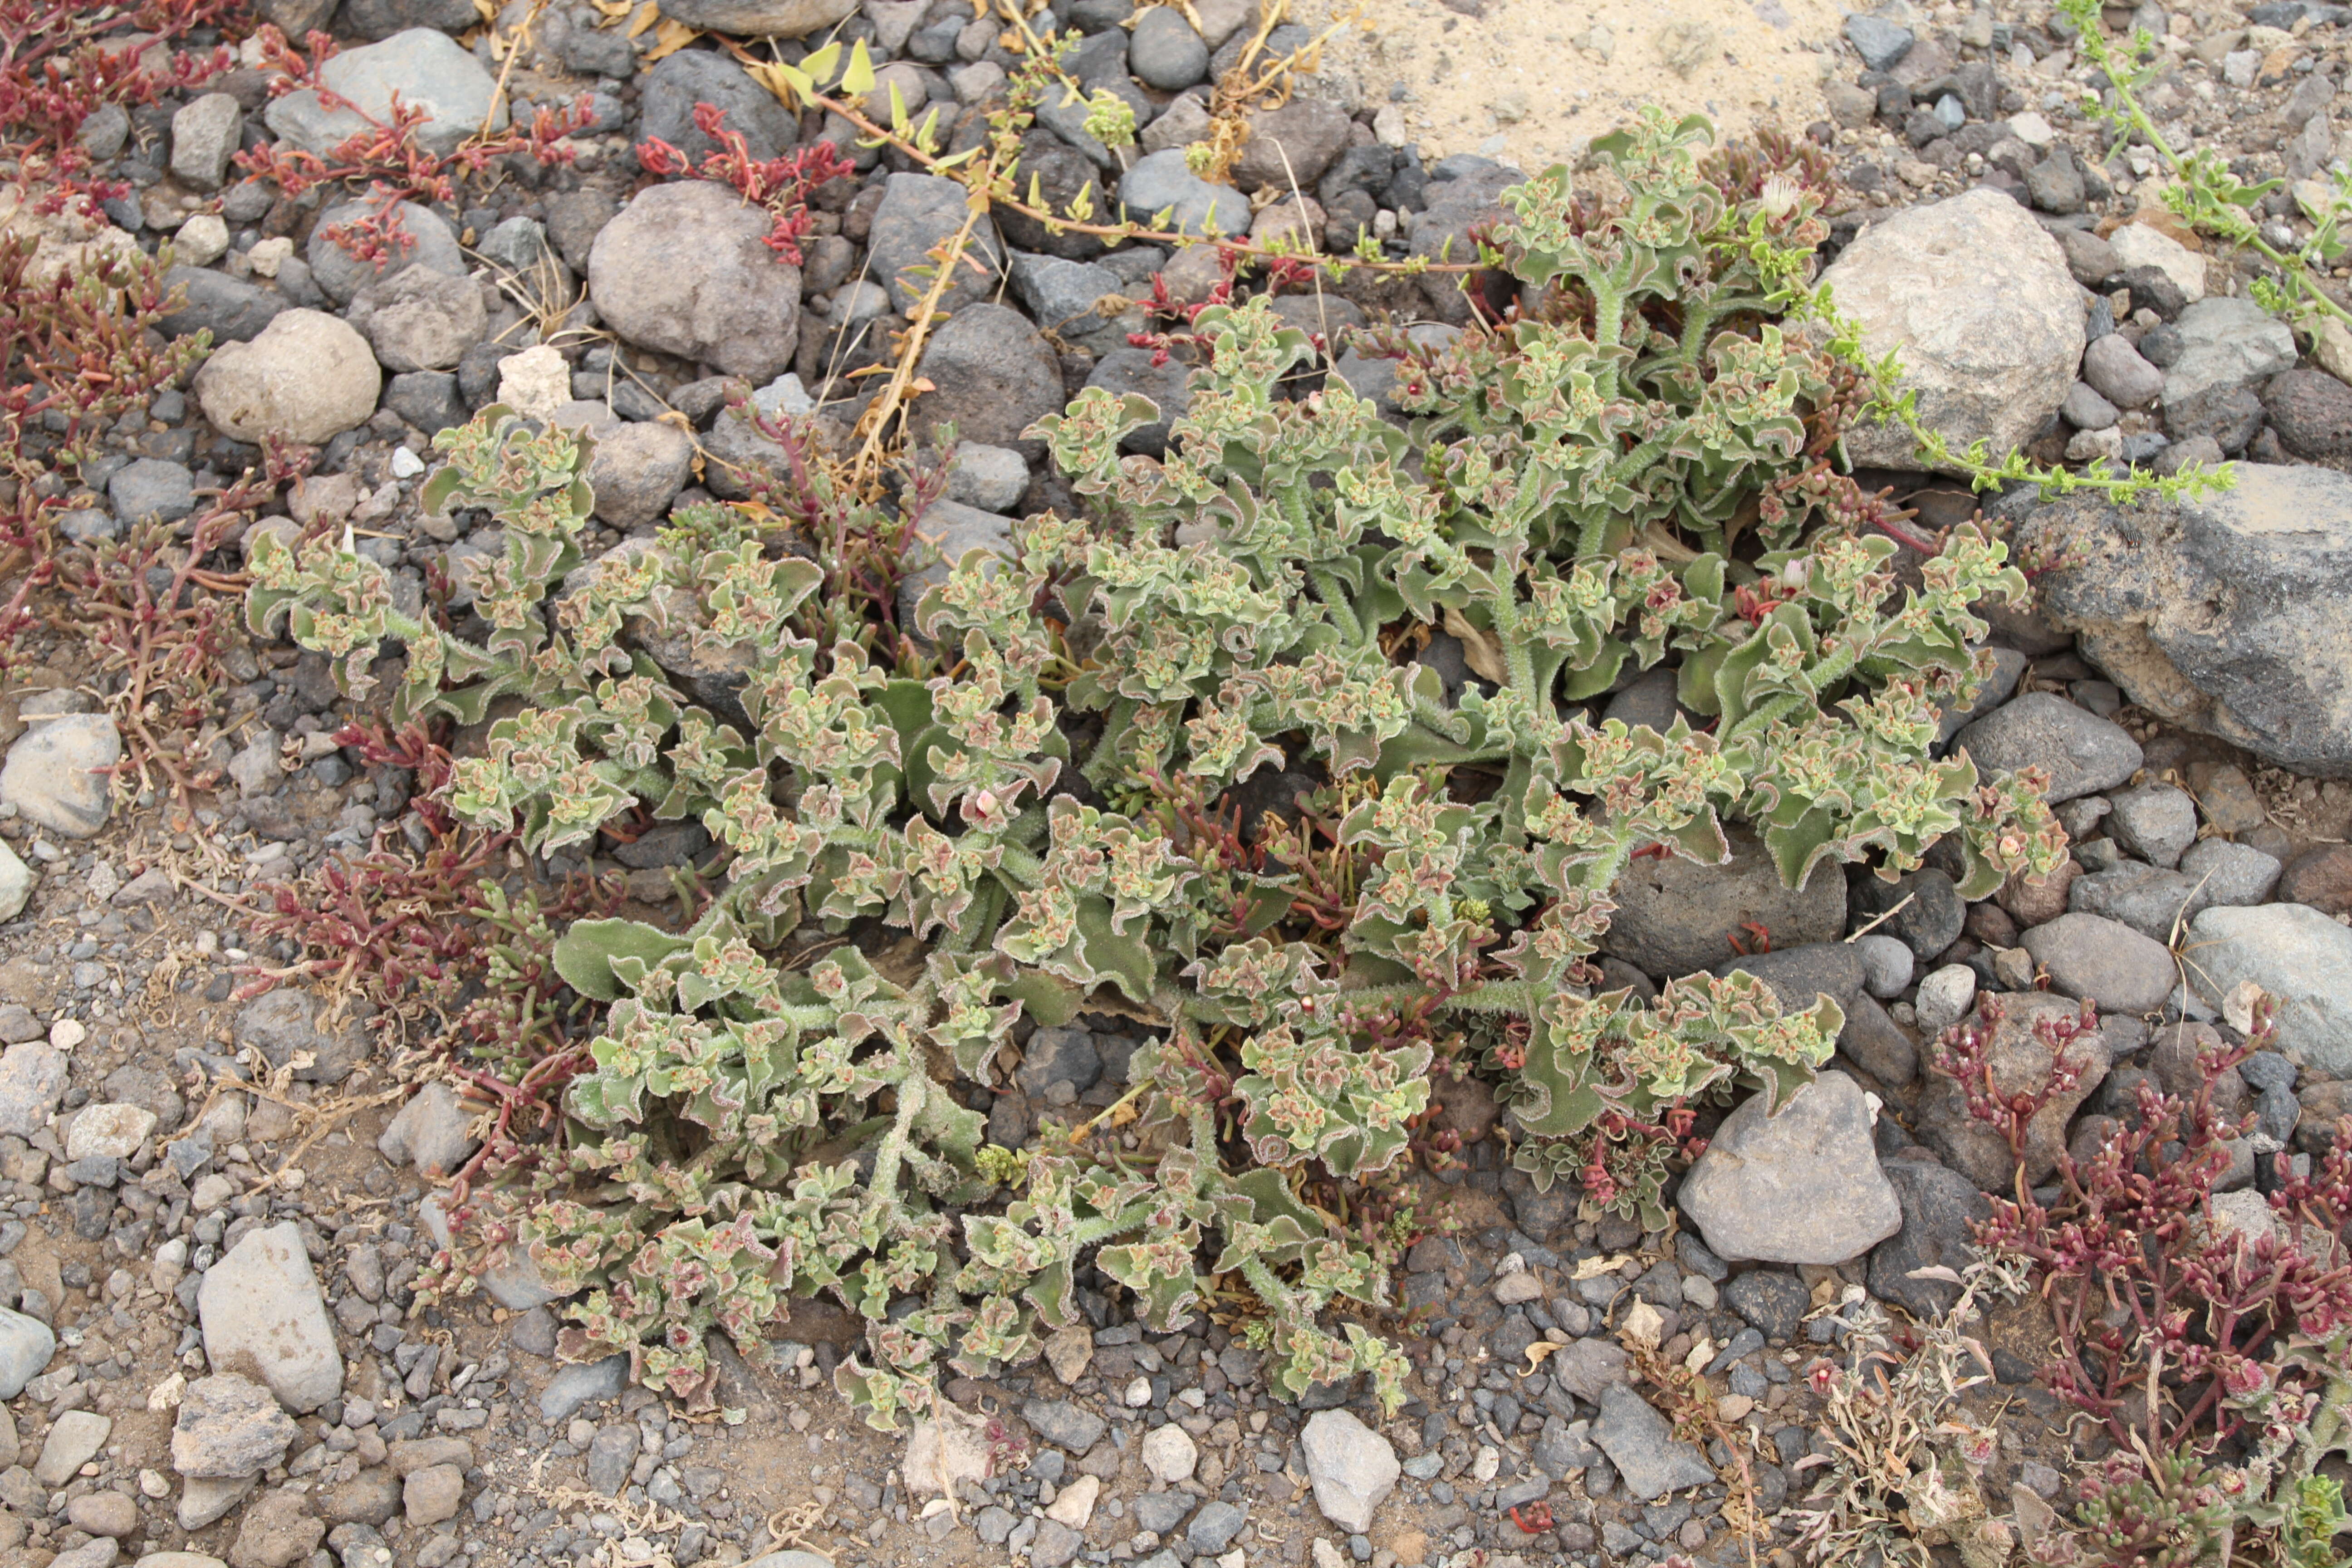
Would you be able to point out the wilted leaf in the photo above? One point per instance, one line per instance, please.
(1644, 1325)
(945, 1452)
(1480, 651)
(668, 38)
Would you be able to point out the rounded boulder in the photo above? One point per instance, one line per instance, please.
(685, 268)
(306, 377)
(1977, 303)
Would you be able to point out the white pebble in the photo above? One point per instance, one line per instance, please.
(202, 240)
(1944, 997)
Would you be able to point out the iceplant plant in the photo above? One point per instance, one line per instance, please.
(1066, 807)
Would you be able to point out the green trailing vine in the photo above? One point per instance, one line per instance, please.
(2204, 193)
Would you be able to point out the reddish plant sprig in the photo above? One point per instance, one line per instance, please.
(781, 184)
(1165, 307)
(865, 551)
(151, 610)
(77, 345)
(2167, 1321)
(415, 748)
(61, 61)
(375, 238)
(387, 154)
(1965, 1054)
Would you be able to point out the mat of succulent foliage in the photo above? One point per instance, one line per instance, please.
(1052, 788)
(1045, 781)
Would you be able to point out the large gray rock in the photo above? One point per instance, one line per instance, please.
(1799, 976)
(2231, 613)
(204, 137)
(33, 1077)
(1057, 290)
(419, 319)
(229, 1426)
(307, 377)
(285, 1023)
(992, 378)
(1213, 1528)
(1353, 1468)
(575, 1385)
(2116, 370)
(917, 213)
(370, 20)
(56, 774)
(431, 1132)
(230, 308)
(1801, 1185)
(1168, 385)
(1165, 52)
(1064, 109)
(1923, 910)
(2103, 961)
(1880, 43)
(1063, 175)
(1647, 1454)
(2153, 902)
(637, 470)
(686, 268)
(1164, 182)
(1938, 1207)
(758, 18)
(2082, 753)
(264, 1319)
(678, 82)
(992, 479)
(1675, 916)
(16, 884)
(1441, 232)
(1584, 1367)
(2231, 873)
(512, 1279)
(428, 69)
(27, 1343)
(2226, 341)
(2156, 822)
(953, 530)
(1059, 1422)
(340, 275)
(1291, 146)
(2291, 951)
(73, 1441)
(203, 1503)
(1376, 377)
(150, 489)
(1975, 298)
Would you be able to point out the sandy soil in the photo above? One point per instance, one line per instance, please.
(1533, 80)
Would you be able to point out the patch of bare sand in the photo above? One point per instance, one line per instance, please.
(1534, 81)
